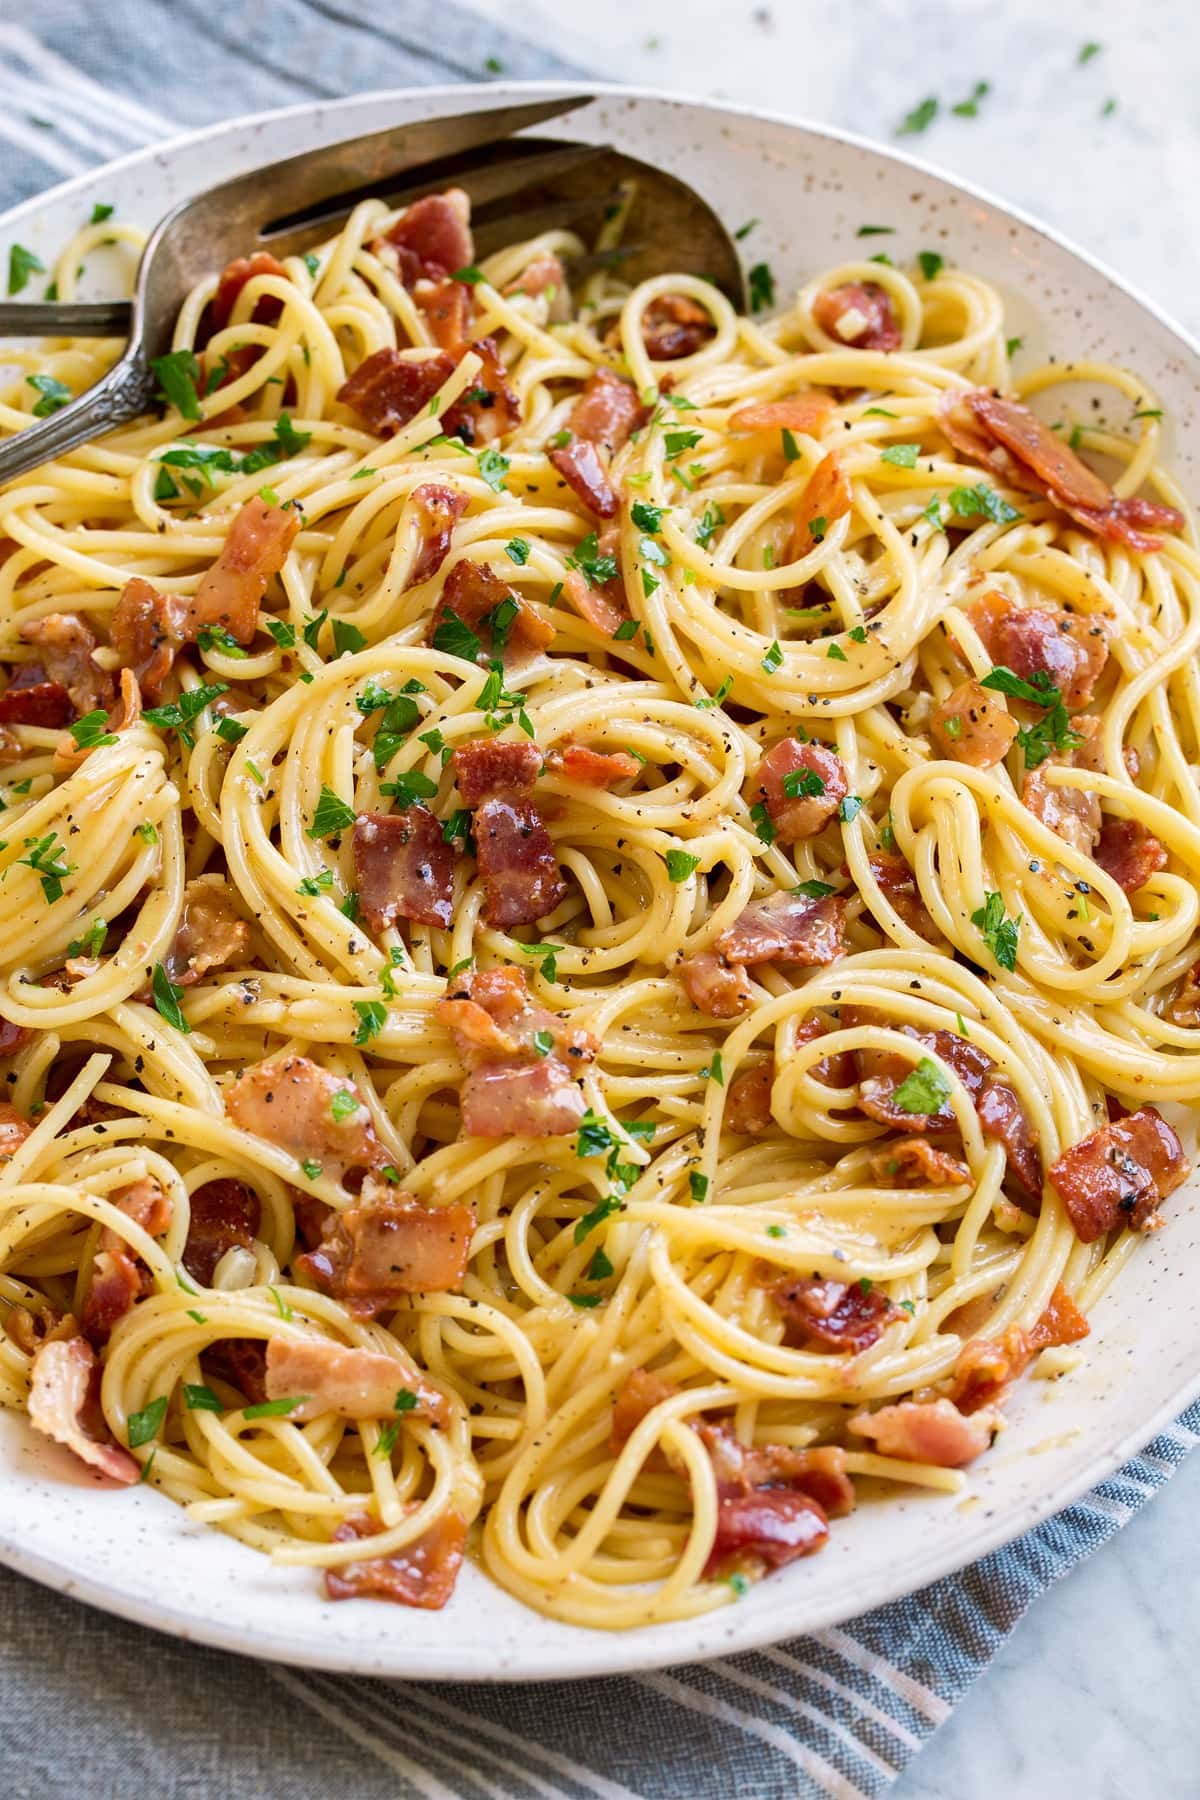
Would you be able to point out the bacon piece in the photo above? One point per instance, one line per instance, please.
(376, 1253)
(898, 885)
(840, 1071)
(147, 629)
(748, 1102)
(1184, 1007)
(770, 1526)
(580, 466)
(1071, 813)
(800, 412)
(447, 306)
(987, 1367)
(389, 388)
(1001, 1115)
(289, 1101)
(422, 1574)
(118, 1277)
(858, 313)
(640, 1392)
(607, 411)
(358, 1384)
(66, 643)
(491, 766)
(240, 1361)
(403, 868)
(914, 1162)
(515, 857)
(834, 1315)
(828, 497)
(1120, 1175)
(819, 777)
(1064, 477)
(437, 510)
(230, 591)
(973, 725)
(740, 1468)
(603, 607)
(233, 279)
(714, 985)
(544, 271)
(432, 238)
(1129, 853)
(1061, 1323)
(223, 1214)
(674, 326)
(593, 768)
(210, 933)
(787, 928)
(515, 1087)
(1070, 649)
(45, 703)
(490, 407)
(64, 1405)
(12, 1038)
(472, 592)
(932, 1431)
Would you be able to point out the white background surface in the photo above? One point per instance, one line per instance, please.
(1095, 1695)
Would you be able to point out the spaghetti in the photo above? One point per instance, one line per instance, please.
(583, 875)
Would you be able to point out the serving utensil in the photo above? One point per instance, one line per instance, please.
(518, 187)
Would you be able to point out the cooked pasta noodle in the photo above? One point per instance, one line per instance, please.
(756, 592)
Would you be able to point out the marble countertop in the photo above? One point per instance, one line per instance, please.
(1097, 1683)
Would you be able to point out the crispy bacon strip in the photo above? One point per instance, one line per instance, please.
(914, 1162)
(390, 387)
(403, 868)
(513, 850)
(581, 468)
(802, 786)
(490, 407)
(748, 1102)
(1184, 1006)
(522, 1060)
(986, 1369)
(931, 1431)
(1061, 1323)
(147, 630)
(230, 591)
(826, 499)
(422, 1574)
(304, 1109)
(210, 935)
(45, 703)
(65, 642)
(448, 308)
(860, 314)
(1120, 1175)
(973, 725)
(64, 1405)
(1129, 853)
(787, 928)
(233, 278)
(376, 1253)
(714, 985)
(673, 326)
(472, 592)
(799, 412)
(432, 238)
(898, 885)
(769, 1527)
(358, 1384)
(1070, 649)
(437, 509)
(592, 768)
(494, 766)
(834, 1315)
(607, 411)
(223, 1214)
(119, 1278)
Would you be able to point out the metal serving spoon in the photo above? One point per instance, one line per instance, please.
(518, 187)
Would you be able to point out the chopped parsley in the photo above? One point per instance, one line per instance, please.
(969, 108)
(680, 865)
(22, 263)
(455, 638)
(166, 999)
(47, 858)
(1052, 733)
(177, 372)
(647, 518)
(919, 119)
(850, 808)
(676, 442)
(715, 1070)
(332, 815)
(595, 569)
(347, 638)
(601, 1211)
(92, 731)
(372, 1017)
(970, 502)
(803, 784)
(762, 287)
(492, 467)
(901, 456)
(53, 394)
(146, 1424)
(179, 714)
(1087, 51)
(698, 1184)
(923, 1090)
(773, 659)
(410, 786)
(198, 1398)
(274, 1409)
(999, 932)
(931, 263)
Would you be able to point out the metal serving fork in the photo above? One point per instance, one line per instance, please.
(518, 188)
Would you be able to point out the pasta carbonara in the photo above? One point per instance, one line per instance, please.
(596, 899)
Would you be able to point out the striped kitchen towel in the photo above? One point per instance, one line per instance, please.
(91, 1705)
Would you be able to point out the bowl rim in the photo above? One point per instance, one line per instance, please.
(601, 1652)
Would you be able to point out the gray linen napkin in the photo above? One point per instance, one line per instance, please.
(92, 1705)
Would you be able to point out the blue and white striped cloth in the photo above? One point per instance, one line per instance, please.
(92, 1705)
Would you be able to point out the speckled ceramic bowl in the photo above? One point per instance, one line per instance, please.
(133, 1552)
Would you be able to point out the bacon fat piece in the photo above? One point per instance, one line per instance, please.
(223, 1215)
(473, 592)
(834, 1315)
(522, 1060)
(64, 1404)
(231, 591)
(373, 1255)
(932, 1431)
(304, 1109)
(513, 850)
(403, 868)
(355, 1383)
(787, 928)
(802, 786)
(422, 1574)
(859, 314)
